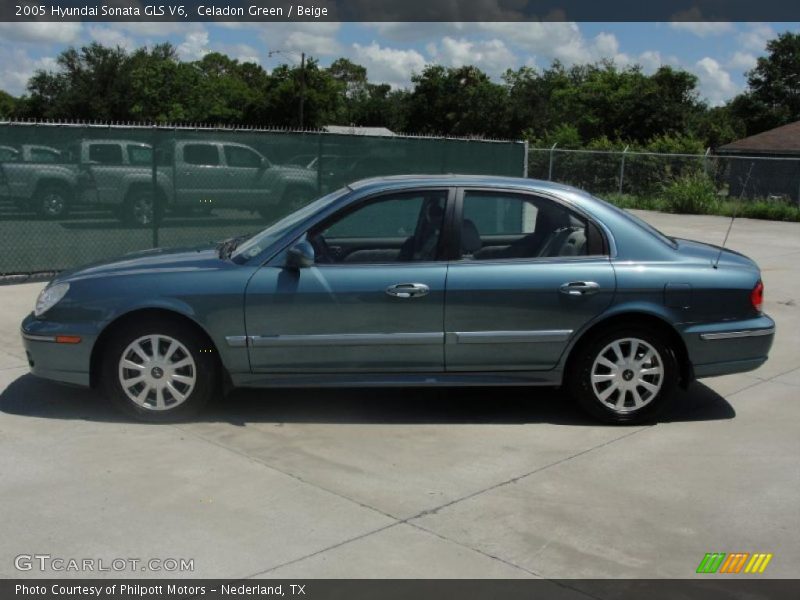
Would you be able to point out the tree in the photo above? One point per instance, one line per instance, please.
(773, 96)
(8, 105)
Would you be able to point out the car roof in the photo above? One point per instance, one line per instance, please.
(377, 184)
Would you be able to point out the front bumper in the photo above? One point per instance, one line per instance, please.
(730, 346)
(49, 359)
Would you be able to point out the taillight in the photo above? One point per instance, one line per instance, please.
(757, 296)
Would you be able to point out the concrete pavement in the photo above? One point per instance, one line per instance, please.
(426, 483)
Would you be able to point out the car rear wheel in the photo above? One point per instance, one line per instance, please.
(626, 375)
(141, 208)
(161, 371)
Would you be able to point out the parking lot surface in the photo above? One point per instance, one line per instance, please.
(444, 483)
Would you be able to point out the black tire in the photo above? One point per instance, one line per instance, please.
(51, 201)
(625, 376)
(191, 344)
(141, 208)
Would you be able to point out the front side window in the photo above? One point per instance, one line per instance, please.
(206, 155)
(44, 155)
(393, 228)
(236, 156)
(497, 225)
(140, 155)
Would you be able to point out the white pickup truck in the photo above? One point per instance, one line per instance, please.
(190, 175)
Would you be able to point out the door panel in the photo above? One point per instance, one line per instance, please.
(530, 275)
(506, 316)
(340, 319)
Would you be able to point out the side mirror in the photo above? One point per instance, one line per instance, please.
(300, 256)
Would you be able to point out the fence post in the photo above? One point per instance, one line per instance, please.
(550, 170)
(705, 161)
(622, 169)
(154, 181)
(525, 163)
(319, 163)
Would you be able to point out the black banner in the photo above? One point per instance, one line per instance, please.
(394, 10)
(705, 588)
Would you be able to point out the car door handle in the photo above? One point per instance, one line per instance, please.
(579, 288)
(408, 290)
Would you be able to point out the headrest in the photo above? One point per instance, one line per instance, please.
(470, 238)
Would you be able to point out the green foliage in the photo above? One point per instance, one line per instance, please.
(7, 104)
(692, 194)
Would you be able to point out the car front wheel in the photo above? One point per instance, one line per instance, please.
(624, 376)
(159, 372)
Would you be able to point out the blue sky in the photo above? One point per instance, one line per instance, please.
(718, 53)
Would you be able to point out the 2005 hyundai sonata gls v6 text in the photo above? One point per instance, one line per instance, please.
(412, 281)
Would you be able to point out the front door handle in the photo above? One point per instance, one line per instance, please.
(408, 290)
(579, 288)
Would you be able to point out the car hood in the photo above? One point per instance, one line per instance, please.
(703, 252)
(149, 261)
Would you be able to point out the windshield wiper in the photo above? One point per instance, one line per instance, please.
(226, 247)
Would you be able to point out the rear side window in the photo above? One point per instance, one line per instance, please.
(201, 154)
(140, 155)
(106, 154)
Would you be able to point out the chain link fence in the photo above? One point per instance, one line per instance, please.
(73, 194)
(653, 176)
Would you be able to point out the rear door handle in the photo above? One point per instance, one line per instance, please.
(408, 290)
(579, 288)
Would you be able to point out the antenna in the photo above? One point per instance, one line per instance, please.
(733, 216)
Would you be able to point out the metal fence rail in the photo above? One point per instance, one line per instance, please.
(76, 193)
(649, 174)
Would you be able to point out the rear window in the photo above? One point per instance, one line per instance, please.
(201, 154)
(106, 154)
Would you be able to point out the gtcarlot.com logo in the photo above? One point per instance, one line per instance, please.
(47, 562)
(734, 563)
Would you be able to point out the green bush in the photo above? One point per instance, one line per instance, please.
(692, 194)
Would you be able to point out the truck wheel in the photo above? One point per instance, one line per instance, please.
(141, 208)
(51, 202)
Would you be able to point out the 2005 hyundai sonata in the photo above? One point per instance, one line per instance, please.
(412, 281)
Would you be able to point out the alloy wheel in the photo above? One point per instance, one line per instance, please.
(627, 375)
(157, 372)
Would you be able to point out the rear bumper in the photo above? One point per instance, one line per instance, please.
(729, 347)
(65, 363)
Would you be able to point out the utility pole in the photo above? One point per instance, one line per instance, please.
(271, 53)
(302, 86)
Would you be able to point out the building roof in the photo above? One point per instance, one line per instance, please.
(353, 130)
(781, 140)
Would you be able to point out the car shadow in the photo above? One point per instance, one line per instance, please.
(33, 397)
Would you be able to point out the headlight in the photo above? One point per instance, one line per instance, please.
(49, 297)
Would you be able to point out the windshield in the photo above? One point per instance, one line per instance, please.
(263, 240)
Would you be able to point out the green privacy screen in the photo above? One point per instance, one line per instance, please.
(70, 195)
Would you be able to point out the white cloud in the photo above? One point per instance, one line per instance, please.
(756, 37)
(742, 61)
(112, 37)
(194, 46)
(316, 39)
(703, 28)
(491, 56)
(716, 84)
(389, 65)
(14, 81)
(41, 32)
